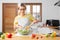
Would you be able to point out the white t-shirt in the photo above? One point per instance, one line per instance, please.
(24, 21)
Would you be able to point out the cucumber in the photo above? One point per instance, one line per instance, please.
(1, 34)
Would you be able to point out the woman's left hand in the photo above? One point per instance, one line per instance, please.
(27, 27)
(35, 21)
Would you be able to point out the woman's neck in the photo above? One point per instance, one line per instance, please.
(22, 14)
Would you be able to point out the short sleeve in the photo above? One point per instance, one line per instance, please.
(31, 18)
(16, 20)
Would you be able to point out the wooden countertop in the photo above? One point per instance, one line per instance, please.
(29, 38)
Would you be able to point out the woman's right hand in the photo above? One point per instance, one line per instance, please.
(18, 27)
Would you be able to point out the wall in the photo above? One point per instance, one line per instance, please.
(59, 12)
(49, 11)
(0, 15)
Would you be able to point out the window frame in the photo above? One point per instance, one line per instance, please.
(31, 7)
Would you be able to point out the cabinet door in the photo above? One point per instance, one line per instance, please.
(9, 13)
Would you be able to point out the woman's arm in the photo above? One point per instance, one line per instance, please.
(16, 26)
(35, 21)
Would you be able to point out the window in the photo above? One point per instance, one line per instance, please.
(27, 8)
(35, 9)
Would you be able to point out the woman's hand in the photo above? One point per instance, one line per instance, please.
(27, 27)
(35, 21)
(17, 27)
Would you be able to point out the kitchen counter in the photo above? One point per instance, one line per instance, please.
(30, 38)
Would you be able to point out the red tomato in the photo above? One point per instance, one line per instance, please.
(9, 35)
(33, 35)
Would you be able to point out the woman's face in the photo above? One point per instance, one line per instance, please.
(22, 9)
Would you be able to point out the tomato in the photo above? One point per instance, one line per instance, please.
(33, 35)
(9, 35)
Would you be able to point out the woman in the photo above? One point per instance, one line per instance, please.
(23, 20)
